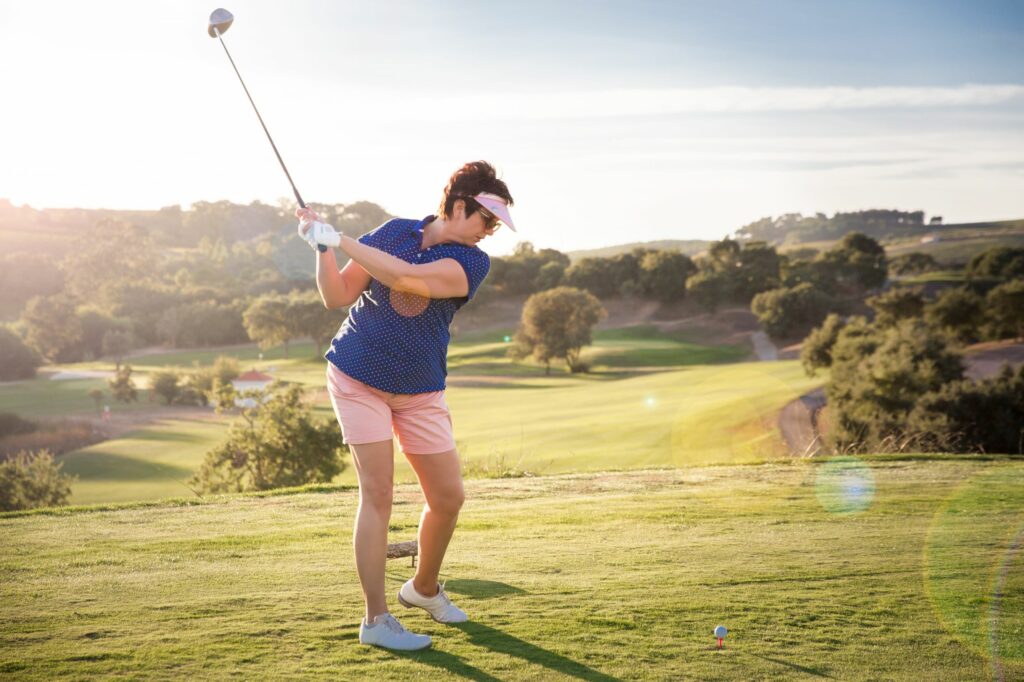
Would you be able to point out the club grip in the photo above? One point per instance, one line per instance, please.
(322, 248)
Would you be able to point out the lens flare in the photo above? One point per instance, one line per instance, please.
(410, 296)
(974, 567)
(844, 485)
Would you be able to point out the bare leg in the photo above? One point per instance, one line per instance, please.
(441, 480)
(375, 467)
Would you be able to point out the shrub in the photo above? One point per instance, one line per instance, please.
(122, 388)
(11, 424)
(164, 383)
(879, 375)
(958, 311)
(31, 479)
(791, 312)
(896, 304)
(999, 262)
(272, 445)
(972, 416)
(17, 360)
(1005, 310)
(816, 351)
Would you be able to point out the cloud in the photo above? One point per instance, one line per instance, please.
(498, 105)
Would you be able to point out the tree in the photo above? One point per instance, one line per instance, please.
(30, 480)
(594, 275)
(97, 397)
(787, 313)
(96, 325)
(164, 383)
(912, 263)
(879, 375)
(998, 262)
(972, 416)
(105, 256)
(17, 360)
(663, 275)
(266, 321)
(273, 444)
(557, 323)
(52, 329)
(816, 350)
(117, 343)
(959, 311)
(709, 288)
(855, 265)
(1005, 310)
(899, 303)
(122, 388)
(309, 317)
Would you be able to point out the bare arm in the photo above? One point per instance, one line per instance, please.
(444, 278)
(339, 289)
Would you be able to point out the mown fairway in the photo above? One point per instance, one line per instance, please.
(652, 400)
(889, 568)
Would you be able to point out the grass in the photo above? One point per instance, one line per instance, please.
(146, 464)
(586, 576)
(652, 399)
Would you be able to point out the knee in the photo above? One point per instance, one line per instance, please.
(377, 497)
(448, 504)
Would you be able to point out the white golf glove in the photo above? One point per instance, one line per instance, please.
(318, 233)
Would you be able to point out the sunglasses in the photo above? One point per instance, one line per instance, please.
(490, 220)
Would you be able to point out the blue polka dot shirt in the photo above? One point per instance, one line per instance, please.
(397, 341)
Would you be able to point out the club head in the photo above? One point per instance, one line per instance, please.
(221, 20)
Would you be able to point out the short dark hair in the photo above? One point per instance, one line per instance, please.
(472, 179)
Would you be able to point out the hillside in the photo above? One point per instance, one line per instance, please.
(882, 568)
(691, 247)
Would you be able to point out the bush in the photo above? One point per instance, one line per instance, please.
(896, 304)
(816, 351)
(11, 424)
(999, 262)
(1005, 310)
(912, 263)
(17, 360)
(272, 445)
(122, 388)
(29, 480)
(792, 312)
(958, 311)
(879, 375)
(164, 383)
(972, 416)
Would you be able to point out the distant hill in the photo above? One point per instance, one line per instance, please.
(690, 247)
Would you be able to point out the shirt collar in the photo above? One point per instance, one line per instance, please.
(423, 223)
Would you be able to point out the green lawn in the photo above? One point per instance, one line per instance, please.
(650, 399)
(889, 568)
(146, 464)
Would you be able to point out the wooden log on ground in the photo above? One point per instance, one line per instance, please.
(397, 550)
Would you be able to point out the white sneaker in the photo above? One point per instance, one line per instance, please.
(387, 632)
(440, 607)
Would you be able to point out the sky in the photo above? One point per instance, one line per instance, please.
(611, 122)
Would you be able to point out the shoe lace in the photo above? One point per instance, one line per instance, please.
(442, 595)
(392, 623)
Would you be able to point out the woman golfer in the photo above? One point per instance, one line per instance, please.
(386, 375)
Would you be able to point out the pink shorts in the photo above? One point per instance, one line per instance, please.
(421, 421)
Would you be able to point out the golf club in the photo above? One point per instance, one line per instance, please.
(220, 22)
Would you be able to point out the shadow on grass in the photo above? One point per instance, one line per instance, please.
(793, 666)
(500, 642)
(481, 589)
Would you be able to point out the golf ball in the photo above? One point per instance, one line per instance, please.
(720, 631)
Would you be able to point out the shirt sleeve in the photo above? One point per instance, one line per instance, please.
(477, 264)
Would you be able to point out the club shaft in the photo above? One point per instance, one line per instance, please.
(276, 153)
